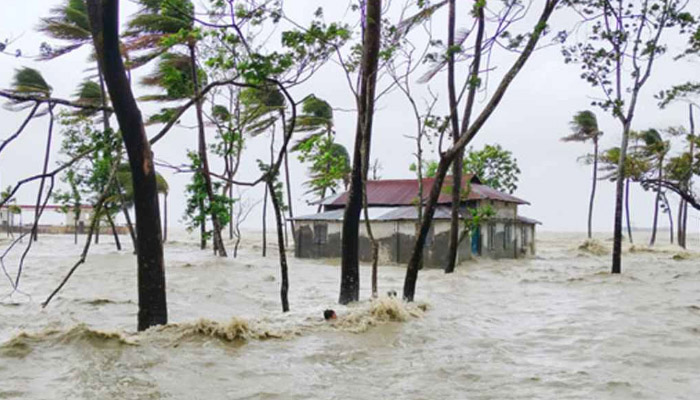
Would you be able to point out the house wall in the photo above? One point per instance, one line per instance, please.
(396, 240)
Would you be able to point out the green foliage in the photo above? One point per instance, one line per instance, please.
(67, 22)
(198, 207)
(30, 82)
(620, 43)
(329, 164)
(262, 107)
(173, 74)
(584, 127)
(475, 217)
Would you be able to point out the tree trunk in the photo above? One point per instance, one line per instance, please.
(202, 226)
(448, 156)
(670, 215)
(104, 22)
(218, 243)
(127, 216)
(97, 231)
(264, 223)
(75, 227)
(117, 242)
(679, 235)
(165, 217)
(350, 268)
(593, 186)
(627, 209)
(619, 191)
(288, 182)
(409, 286)
(284, 288)
(656, 206)
(466, 118)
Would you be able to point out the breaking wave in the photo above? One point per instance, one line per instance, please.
(379, 311)
(594, 247)
(24, 342)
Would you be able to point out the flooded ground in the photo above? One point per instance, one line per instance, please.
(558, 326)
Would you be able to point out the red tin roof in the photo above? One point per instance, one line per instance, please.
(403, 192)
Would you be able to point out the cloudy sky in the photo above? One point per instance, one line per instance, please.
(530, 121)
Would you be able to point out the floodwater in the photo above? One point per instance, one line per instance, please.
(557, 326)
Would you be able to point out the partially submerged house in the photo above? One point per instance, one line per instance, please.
(393, 214)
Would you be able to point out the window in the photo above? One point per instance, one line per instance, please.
(320, 233)
(492, 236)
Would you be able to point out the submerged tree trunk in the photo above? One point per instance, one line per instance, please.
(448, 156)
(350, 268)
(117, 242)
(593, 187)
(466, 119)
(264, 223)
(104, 22)
(627, 209)
(202, 226)
(656, 206)
(619, 194)
(218, 243)
(165, 217)
(284, 288)
(670, 215)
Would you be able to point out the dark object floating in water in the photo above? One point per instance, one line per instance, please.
(329, 314)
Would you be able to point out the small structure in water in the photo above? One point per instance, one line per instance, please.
(394, 218)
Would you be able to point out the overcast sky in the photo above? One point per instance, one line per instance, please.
(534, 115)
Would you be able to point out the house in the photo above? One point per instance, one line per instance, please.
(394, 220)
(9, 219)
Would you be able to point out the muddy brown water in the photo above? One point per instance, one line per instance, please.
(557, 326)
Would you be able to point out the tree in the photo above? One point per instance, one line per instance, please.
(635, 167)
(469, 131)
(158, 27)
(655, 149)
(329, 161)
(618, 57)
(585, 128)
(349, 274)
(104, 23)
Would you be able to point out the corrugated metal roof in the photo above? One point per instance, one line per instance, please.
(377, 214)
(527, 220)
(404, 192)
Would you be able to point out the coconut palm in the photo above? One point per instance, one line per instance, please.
(67, 22)
(585, 128)
(263, 108)
(28, 82)
(655, 148)
(157, 20)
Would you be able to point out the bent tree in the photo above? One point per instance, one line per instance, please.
(624, 39)
(448, 156)
(104, 25)
(585, 127)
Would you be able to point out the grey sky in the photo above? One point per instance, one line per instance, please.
(529, 122)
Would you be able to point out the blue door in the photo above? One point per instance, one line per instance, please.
(476, 240)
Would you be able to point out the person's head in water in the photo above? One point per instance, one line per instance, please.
(329, 314)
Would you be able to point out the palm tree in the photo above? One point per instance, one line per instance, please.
(655, 149)
(317, 119)
(156, 20)
(69, 23)
(585, 127)
(262, 109)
